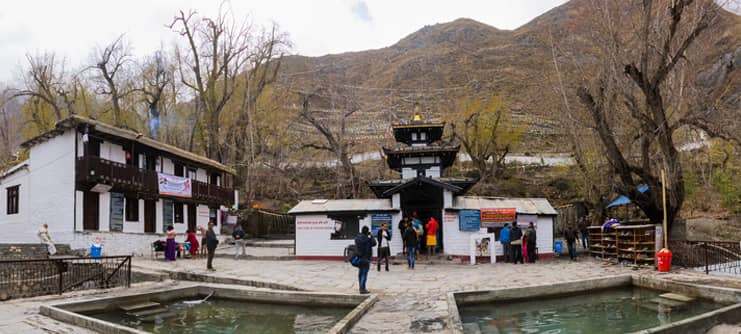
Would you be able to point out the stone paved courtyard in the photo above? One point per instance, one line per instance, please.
(409, 301)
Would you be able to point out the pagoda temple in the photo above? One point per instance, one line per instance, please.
(421, 159)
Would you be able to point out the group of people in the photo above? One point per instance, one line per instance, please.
(208, 239)
(519, 246)
(416, 236)
(413, 235)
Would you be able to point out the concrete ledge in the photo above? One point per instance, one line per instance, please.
(71, 312)
(696, 324)
(536, 291)
(185, 276)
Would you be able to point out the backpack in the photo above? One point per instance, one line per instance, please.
(352, 255)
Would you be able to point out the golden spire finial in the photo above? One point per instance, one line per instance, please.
(417, 115)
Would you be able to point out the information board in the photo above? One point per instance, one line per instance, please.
(469, 220)
(494, 217)
(377, 219)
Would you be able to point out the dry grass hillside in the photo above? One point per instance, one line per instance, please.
(442, 62)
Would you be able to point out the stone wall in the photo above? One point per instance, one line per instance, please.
(33, 251)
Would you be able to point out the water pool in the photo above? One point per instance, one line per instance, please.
(614, 310)
(229, 316)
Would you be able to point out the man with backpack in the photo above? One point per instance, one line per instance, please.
(364, 243)
(515, 237)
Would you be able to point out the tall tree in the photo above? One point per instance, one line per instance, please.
(156, 74)
(487, 132)
(215, 53)
(637, 103)
(112, 77)
(49, 86)
(328, 112)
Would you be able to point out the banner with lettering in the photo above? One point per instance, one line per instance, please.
(174, 185)
(494, 217)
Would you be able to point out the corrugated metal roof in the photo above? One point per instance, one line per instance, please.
(341, 205)
(539, 206)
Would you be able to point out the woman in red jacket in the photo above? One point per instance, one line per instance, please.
(193, 240)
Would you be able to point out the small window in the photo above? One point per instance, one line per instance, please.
(414, 136)
(191, 173)
(13, 194)
(178, 170)
(132, 209)
(423, 136)
(179, 213)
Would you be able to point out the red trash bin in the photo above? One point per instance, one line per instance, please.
(664, 260)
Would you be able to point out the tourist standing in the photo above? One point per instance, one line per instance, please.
(364, 244)
(584, 232)
(211, 242)
(203, 239)
(45, 238)
(410, 238)
(532, 238)
(191, 238)
(384, 250)
(170, 244)
(417, 224)
(239, 242)
(431, 241)
(403, 228)
(505, 241)
(570, 235)
(515, 235)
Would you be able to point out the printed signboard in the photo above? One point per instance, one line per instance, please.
(493, 217)
(378, 219)
(174, 185)
(469, 220)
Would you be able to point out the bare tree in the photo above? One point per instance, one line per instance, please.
(333, 130)
(215, 53)
(48, 81)
(155, 76)
(487, 133)
(111, 78)
(637, 103)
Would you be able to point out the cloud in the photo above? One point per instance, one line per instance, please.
(361, 11)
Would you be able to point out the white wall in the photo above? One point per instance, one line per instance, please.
(313, 236)
(52, 184)
(457, 242)
(16, 223)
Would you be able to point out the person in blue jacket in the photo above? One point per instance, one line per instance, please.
(504, 239)
(364, 244)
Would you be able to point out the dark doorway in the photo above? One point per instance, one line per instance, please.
(90, 210)
(150, 217)
(427, 201)
(192, 217)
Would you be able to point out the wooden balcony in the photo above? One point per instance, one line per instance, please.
(125, 178)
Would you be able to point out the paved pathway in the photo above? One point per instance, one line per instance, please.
(409, 301)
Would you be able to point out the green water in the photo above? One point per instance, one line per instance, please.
(620, 310)
(228, 316)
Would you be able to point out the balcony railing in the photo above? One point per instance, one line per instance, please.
(122, 177)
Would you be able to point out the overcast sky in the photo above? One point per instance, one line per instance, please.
(72, 28)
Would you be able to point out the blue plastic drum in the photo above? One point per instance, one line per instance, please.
(558, 247)
(96, 250)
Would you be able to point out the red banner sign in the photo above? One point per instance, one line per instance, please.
(490, 217)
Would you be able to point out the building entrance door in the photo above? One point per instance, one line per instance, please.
(192, 217)
(90, 210)
(150, 216)
(427, 201)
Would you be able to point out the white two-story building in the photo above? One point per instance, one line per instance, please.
(92, 181)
